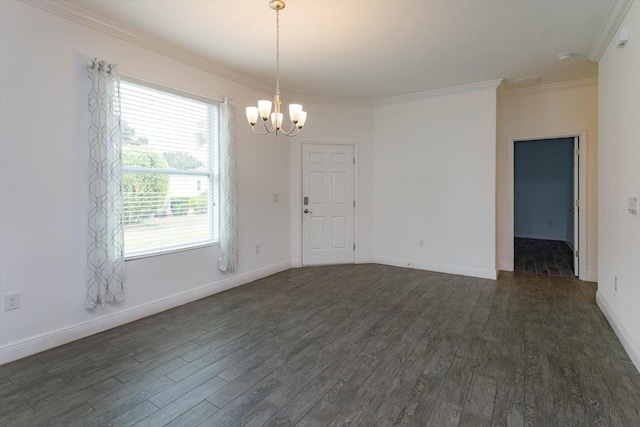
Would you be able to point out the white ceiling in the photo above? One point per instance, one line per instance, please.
(373, 49)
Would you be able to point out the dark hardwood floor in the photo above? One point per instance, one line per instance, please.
(544, 257)
(355, 345)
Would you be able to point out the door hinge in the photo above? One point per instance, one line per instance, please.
(577, 254)
(354, 246)
(354, 160)
(354, 203)
(577, 152)
(577, 202)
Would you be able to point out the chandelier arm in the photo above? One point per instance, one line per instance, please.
(258, 133)
(267, 130)
(289, 132)
(295, 131)
(270, 129)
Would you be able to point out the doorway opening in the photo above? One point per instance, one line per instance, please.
(546, 203)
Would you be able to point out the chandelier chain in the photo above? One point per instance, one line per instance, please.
(277, 52)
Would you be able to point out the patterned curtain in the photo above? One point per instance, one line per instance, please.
(105, 261)
(228, 257)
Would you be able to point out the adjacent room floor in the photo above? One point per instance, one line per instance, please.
(545, 257)
(361, 345)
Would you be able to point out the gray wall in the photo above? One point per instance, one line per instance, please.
(543, 186)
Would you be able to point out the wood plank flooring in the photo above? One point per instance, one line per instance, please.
(358, 345)
(544, 257)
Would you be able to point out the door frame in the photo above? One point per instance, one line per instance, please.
(582, 193)
(295, 200)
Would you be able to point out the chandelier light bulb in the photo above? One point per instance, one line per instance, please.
(265, 109)
(277, 124)
(302, 119)
(294, 112)
(252, 115)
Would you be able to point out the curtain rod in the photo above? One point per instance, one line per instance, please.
(175, 89)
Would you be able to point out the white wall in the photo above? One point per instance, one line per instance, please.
(342, 124)
(548, 113)
(43, 192)
(434, 178)
(619, 178)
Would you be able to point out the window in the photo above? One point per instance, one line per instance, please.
(169, 169)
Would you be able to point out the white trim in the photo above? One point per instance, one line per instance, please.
(79, 15)
(214, 102)
(570, 244)
(489, 84)
(483, 273)
(616, 14)
(583, 193)
(32, 345)
(627, 342)
(592, 276)
(163, 251)
(364, 259)
(591, 81)
(537, 236)
(322, 100)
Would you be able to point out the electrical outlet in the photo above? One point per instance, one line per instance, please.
(421, 243)
(258, 248)
(11, 301)
(615, 283)
(276, 197)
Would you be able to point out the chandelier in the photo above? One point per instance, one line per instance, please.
(263, 110)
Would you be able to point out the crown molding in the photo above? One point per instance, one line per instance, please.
(617, 12)
(591, 81)
(325, 100)
(76, 14)
(489, 84)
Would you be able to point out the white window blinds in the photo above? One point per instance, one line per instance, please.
(170, 170)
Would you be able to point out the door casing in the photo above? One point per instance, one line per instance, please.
(295, 201)
(582, 191)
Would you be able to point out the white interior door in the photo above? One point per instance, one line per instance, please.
(576, 205)
(327, 204)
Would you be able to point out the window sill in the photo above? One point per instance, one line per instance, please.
(169, 251)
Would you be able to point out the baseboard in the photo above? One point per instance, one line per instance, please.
(632, 350)
(36, 344)
(296, 263)
(538, 236)
(364, 259)
(592, 276)
(483, 273)
(569, 244)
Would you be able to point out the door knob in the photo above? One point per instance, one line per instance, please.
(307, 211)
(572, 210)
